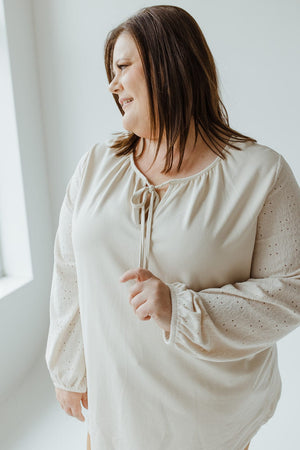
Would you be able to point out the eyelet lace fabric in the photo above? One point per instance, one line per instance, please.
(65, 353)
(241, 319)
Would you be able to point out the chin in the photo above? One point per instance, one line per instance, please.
(132, 129)
(127, 124)
(141, 132)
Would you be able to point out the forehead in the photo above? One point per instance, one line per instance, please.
(125, 47)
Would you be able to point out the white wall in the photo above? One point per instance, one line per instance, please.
(24, 313)
(255, 45)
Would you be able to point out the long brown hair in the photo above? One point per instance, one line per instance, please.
(181, 79)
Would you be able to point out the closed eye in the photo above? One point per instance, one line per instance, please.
(121, 66)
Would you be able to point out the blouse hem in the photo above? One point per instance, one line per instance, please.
(260, 422)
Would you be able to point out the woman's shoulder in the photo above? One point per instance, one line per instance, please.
(254, 153)
(100, 153)
(100, 150)
(100, 160)
(253, 169)
(254, 160)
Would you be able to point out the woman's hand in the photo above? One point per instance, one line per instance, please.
(70, 402)
(150, 297)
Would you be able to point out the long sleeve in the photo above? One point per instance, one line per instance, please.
(241, 319)
(65, 353)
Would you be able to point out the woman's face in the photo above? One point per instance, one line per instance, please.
(129, 83)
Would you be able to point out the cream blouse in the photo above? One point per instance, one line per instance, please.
(227, 242)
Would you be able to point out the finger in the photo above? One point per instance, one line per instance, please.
(68, 411)
(130, 275)
(143, 312)
(138, 300)
(78, 414)
(139, 273)
(135, 290)
(84, 401)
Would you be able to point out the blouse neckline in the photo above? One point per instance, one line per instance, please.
(176, 180)
(141, 209)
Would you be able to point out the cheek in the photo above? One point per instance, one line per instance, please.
(140, 83)
(143, 97)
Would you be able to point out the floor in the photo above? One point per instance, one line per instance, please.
(32, 419)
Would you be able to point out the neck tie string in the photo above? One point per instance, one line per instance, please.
(146, 226)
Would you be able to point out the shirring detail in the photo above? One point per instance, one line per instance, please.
(217, 160)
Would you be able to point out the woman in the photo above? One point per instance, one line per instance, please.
(207, 233)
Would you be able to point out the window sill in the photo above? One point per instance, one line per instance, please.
(9, 284)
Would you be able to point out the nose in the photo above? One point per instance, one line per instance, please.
(113, 86)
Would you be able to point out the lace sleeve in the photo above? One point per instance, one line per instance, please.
(65, 353)
(244, 318)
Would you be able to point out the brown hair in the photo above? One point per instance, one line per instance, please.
(181, 79)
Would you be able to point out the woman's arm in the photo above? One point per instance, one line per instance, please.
(244, 318)
(65, 353)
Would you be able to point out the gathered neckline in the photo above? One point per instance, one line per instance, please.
(175, 180)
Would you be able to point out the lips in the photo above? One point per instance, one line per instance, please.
(125, 101)
(125, 105)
